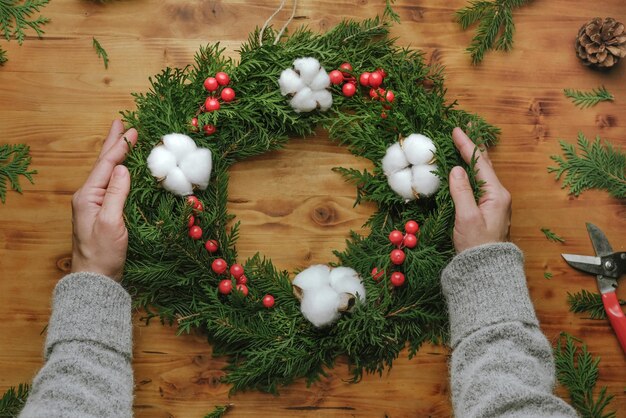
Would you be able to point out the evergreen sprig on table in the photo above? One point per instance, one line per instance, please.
(577, 371)
(13, 400)
(3, 56)
(170, 274)
(585, 99)
(594, 165)
(102, 53)
(14, 162)
(588, 302)
(15, 18)
(219, 411)
(552, 236)
(495, 29)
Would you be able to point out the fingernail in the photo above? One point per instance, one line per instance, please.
(458, 173)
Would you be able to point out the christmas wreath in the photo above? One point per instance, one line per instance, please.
(382, 102)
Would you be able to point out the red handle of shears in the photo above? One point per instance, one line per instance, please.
(616, 316)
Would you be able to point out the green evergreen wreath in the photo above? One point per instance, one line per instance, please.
(170, 275)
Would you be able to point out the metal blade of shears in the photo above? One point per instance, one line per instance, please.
(600, 242)
(586, 263)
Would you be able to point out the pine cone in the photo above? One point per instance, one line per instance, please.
(601, 43)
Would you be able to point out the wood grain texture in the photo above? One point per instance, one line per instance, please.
(57, 97)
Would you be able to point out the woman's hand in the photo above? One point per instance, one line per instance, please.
(100, 238)
(490, 219)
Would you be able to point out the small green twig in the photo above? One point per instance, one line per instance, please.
(101, 52)
(551, 236)
(585, 99)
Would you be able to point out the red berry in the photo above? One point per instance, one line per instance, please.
(336, 77)
(211, 246)
(211, 84)
(198, 207)
(375, 79)
(228, 94)
(225, 286)
(191, 221)
(236, 270)
(411, 227)
(195, 232)
(348, 89)
(211, 104)
(242, 280)
(346, 69)
(219, 266)
(209, 129)
(268, 301)
(410, 241)
(373, 94)
(192, 201)
(194, 122)
(222, 78)
(390, 96)
(377, 274)
(243, 289)
(382, 72)
(397, 257)
(383, 115)
(364, 79)
(395, 237)
(397, 278)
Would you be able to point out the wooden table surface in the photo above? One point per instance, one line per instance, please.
(57, 97)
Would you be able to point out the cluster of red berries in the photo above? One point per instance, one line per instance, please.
(397, 255)
(225, 287)
(212, 103)
(195, 232)
(373, 80)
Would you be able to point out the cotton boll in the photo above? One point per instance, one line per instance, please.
(177, 183)
(394, 159)
(313, 277)
(419, 149)
(321, 80)
(324, 99)
(303, 101)
(308, 68)
(197, 167)
(161, 161)
(424, 180)
(289, 82)
(400, 182)
(320, 307)
(346, 280)
(180, 145)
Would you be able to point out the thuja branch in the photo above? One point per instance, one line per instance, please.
(495, 25)
(585, 99)
(13, 400)
(14, 162)
(593, 165)
(588, 302)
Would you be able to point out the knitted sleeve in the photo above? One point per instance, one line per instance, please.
(502, 364)
(87, 370)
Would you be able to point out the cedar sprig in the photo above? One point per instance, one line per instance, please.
(577, 371)
(170, 275)
(13, 400)
(3, 56)
(588, 302)
(547, 275)
(495, 29)
(219, 411)
(14, 162)
(585, 99)
(552, 236)
(593, 165)
(102, 53)
(15, 18)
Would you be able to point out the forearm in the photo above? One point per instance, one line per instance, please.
(88, 351)
(501, 363)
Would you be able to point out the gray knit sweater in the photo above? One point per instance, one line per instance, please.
(501, 363)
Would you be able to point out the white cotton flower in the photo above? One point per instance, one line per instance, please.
(161, 161)
(180, 165)
(326, 293)
(409, 169)
(419, 149)
(177, 183)
(197, 167)
(179, 144)
(307, 82)
(424, 180)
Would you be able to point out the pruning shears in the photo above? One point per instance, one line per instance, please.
(607, 266)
